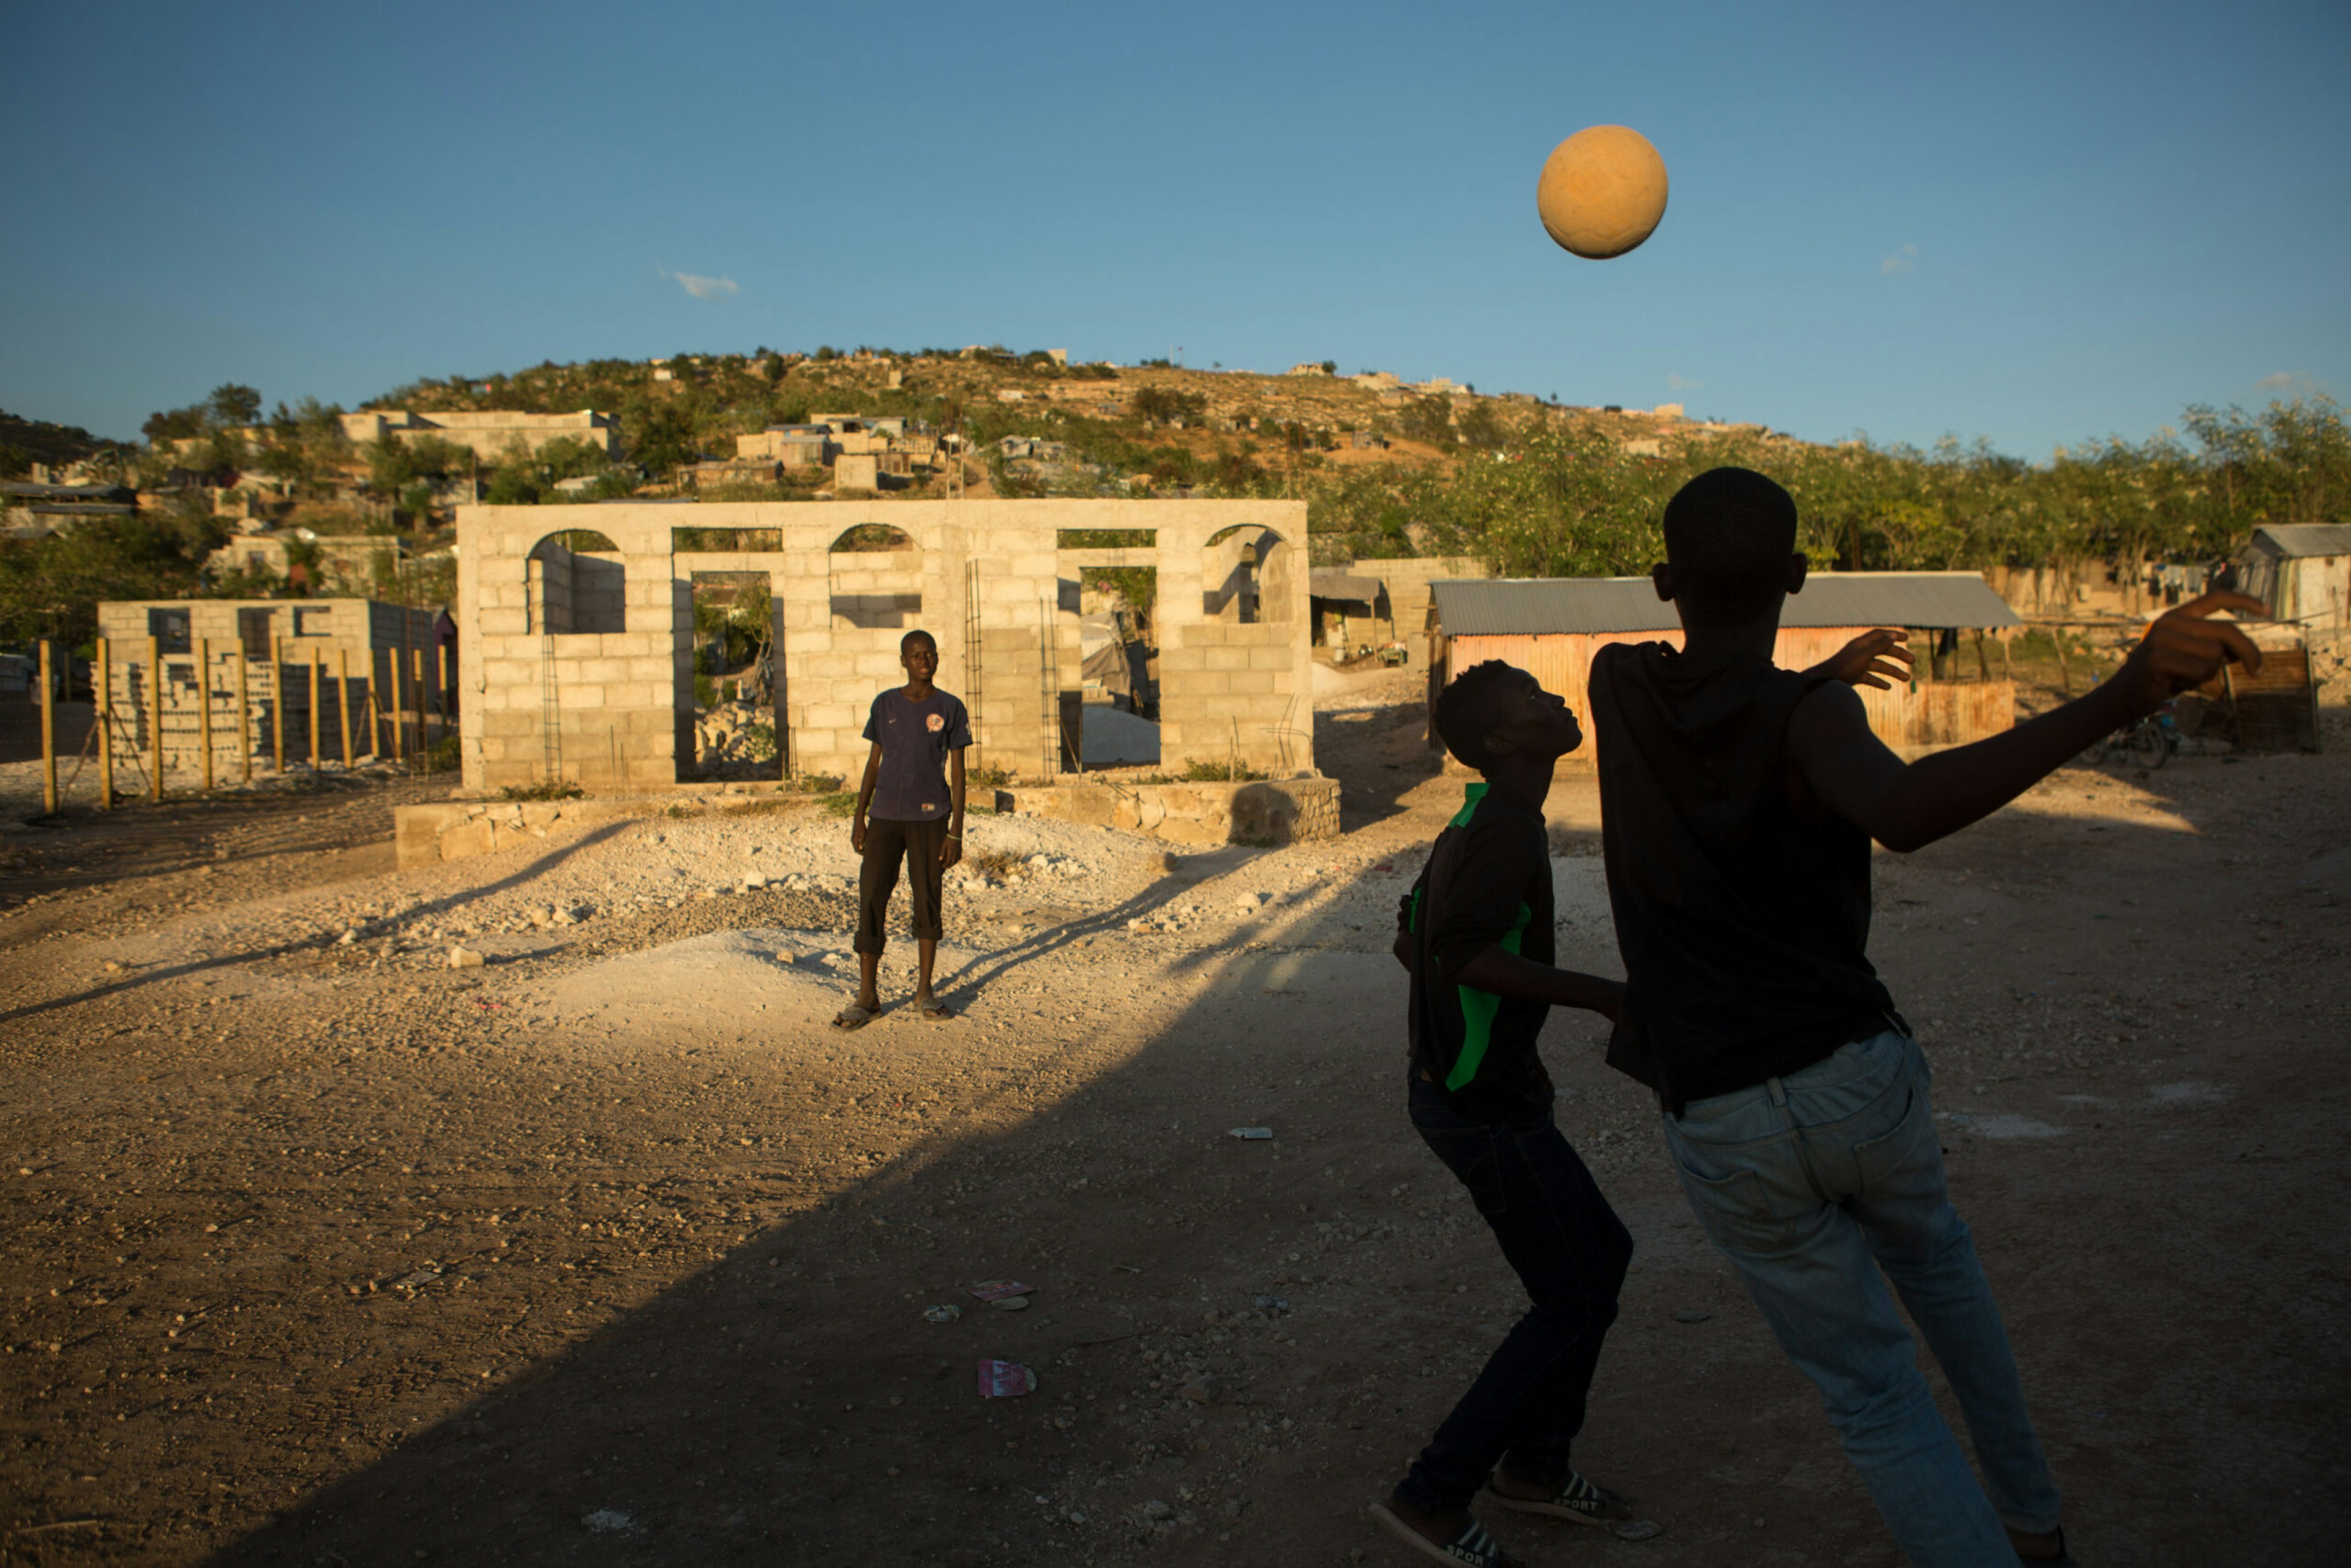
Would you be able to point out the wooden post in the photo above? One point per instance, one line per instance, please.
(155, 711)
(105, 704)
(49, 737)
(1983, 664)
(374, 718)
(416, 689)
(399, 724)
(2064, 674)
(2007, 670)
(205, 705)
(314, 707)
(278, 703)
(343, 700)
(243, 711)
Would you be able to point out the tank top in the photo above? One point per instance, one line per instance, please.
(1743, 920)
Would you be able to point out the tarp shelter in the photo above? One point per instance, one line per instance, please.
(2303, 571)
(1551, 627)
(1349, 595)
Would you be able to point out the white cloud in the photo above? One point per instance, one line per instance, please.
(1683, 383)
(2281, 381)
(702, 287)
(1901, 261)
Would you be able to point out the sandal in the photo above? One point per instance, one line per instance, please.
(854, 1017)
(1474, 1546)
(935, 1012)
(1575, 1498)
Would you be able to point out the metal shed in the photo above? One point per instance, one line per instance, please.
(2302, 571)
(1551, 627)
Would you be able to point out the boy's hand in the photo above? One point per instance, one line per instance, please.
(2183, 649)
(857, 834)
(950, 851)
(1402, 948)
(1869, 659)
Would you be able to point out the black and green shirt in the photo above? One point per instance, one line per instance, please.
(1487, 882)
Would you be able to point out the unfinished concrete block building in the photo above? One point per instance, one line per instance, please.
(577, 628)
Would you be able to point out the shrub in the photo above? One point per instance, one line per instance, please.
(1198, 772)
(545, 790)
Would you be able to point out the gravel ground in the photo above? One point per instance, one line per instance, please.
(611, 1251)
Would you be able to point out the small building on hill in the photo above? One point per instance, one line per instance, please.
(490, 434)
(2303, 571)
(1550, 628)
(36, 511)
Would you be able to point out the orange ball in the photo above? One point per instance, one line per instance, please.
(1602, 191)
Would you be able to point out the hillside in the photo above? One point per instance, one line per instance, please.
(25, 442)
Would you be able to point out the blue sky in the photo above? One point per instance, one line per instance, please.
(2033, 223)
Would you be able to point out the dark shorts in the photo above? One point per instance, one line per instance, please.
(886, 843)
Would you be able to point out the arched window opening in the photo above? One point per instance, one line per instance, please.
(877, 579)
(577, 584)
(1246, 571)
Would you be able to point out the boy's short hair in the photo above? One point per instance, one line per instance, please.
(1472, 707)
(1728, 535)
(918, 635)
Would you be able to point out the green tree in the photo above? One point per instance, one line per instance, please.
(232, 407)
(51, 588)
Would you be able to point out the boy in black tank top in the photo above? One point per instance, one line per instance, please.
(1738, 801)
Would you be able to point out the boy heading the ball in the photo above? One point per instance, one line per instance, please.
(1738, 803)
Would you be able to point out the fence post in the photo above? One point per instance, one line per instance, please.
(105, 705)
(278, 703)
(344, 701)
(205, 705)
(374, 722)
(244, 709)
(155, 710)
(314, 708)
(49, 737)
(398, 723)
(417, 690)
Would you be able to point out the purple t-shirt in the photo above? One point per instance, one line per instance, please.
(912, 785)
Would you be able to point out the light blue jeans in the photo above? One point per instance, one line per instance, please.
(1801, 1182)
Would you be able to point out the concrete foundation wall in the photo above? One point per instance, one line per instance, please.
(1273, 811)
(614, 710)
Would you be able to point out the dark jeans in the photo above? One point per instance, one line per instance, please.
(1571, 1251)
(886, 843)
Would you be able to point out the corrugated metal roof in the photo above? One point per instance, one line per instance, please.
(1330, 582)
(1535, 606)
(2307, 538)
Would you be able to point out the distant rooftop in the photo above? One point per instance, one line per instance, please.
(2307, 538)
(1543, 606)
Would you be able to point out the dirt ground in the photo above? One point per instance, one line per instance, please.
(319, 1251)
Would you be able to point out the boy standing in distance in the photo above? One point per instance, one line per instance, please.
(1476, 933)
(914, 787)
(1738, 803)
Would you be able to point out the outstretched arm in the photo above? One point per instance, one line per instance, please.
(1505, 974)
(1872, 659)
(1906, 808)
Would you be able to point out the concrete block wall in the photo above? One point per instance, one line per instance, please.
(356, 645)
(999, 560)
(1407, 580)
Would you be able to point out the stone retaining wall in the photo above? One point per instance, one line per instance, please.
(1270, 811)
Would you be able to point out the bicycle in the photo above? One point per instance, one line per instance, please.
(2150, 741)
